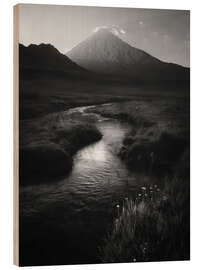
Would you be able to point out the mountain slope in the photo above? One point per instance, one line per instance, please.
(105, 53)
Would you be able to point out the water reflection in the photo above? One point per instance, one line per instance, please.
(97, 154)
(97, 175)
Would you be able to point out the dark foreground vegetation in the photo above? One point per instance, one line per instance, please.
(159, 156)
(155, 226)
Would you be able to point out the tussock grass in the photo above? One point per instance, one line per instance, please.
(43, 160)
(155, 156)
(153, 229)
(52, 157)
(77, 137)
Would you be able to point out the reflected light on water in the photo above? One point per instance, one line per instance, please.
(97, 152)
(98, 176)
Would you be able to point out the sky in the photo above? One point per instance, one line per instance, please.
(164, 34)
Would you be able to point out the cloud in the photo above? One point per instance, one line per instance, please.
(122, 31)
(116, 30)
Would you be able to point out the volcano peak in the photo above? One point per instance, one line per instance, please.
(106, 53)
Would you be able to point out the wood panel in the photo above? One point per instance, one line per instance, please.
(16, 136)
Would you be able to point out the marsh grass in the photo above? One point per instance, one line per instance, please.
(152, 228)
(77, 137)
(41, 161)
(158, 156)
(52, 158)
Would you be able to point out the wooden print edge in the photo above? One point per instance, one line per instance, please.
(16, 135)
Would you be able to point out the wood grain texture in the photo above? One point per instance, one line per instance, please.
(16, 136)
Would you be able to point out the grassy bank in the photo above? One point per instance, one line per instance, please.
(48, 144)
(155, 155)
(153, 224)
(159, 135)
(152, 227)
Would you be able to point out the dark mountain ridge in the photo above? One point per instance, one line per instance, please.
(45, 59)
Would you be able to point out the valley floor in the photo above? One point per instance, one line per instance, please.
(158, 144)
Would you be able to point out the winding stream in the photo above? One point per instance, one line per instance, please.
(80, 207)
